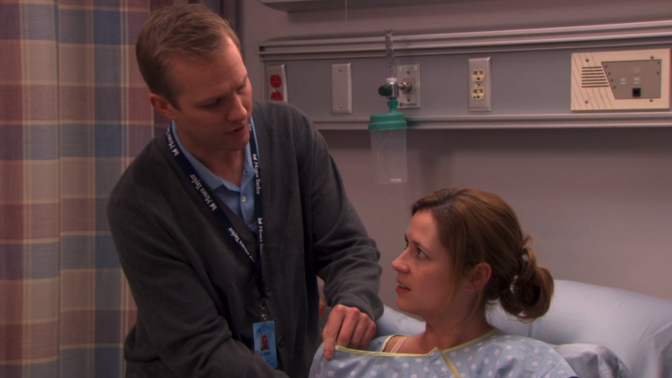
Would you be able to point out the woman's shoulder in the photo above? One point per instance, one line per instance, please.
(517, 352)
(497, 345)
(511, 343)
(523, 343)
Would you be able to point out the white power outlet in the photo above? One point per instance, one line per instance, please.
(480, 90)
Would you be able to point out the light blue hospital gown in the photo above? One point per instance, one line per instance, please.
(494, 355)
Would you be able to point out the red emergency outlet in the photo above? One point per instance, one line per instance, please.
(275, 81)
(276, 96)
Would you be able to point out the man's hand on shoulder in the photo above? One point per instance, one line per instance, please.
(348, 327)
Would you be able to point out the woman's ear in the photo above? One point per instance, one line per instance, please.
(478, 276)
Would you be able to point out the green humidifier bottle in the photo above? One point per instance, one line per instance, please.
(388, 140)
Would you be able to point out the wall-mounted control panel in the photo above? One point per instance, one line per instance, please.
(276, 83)
(621, 80)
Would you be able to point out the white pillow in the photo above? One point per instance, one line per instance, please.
(636, 327)
(593, 361)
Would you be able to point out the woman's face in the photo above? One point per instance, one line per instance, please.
(423, 269)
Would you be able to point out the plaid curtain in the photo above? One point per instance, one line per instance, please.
(73, 114)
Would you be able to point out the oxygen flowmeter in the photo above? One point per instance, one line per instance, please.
(388, 130)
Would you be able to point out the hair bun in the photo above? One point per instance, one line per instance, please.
(531, 290)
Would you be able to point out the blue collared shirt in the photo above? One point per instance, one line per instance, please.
(239, 199)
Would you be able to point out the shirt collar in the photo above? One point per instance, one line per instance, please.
(211, 180)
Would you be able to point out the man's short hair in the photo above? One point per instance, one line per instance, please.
(188, 31)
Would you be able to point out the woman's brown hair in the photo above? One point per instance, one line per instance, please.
(477, 226)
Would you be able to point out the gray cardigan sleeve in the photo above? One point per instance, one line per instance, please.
(344, 256)
(347, 258)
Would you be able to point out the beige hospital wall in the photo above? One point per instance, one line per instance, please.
(598, 201)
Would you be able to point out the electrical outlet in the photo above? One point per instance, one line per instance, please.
(478, 93)
(276, 83)
(480, 90)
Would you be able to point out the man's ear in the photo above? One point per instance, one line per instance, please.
(478, 276)
(162, 105)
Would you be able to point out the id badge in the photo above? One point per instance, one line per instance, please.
(264, 342)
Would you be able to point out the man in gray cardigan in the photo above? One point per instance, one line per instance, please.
(224, 223)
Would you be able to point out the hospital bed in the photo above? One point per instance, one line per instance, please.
(602, 332)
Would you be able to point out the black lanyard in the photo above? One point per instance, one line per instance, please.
(219, 214)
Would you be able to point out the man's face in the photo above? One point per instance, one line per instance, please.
(214, 98)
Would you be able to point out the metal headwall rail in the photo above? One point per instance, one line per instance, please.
(606, 35)
(511, 121)
(622, 35)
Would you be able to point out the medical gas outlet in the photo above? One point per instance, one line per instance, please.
(410, 86)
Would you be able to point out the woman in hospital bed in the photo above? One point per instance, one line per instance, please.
(464, 251)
